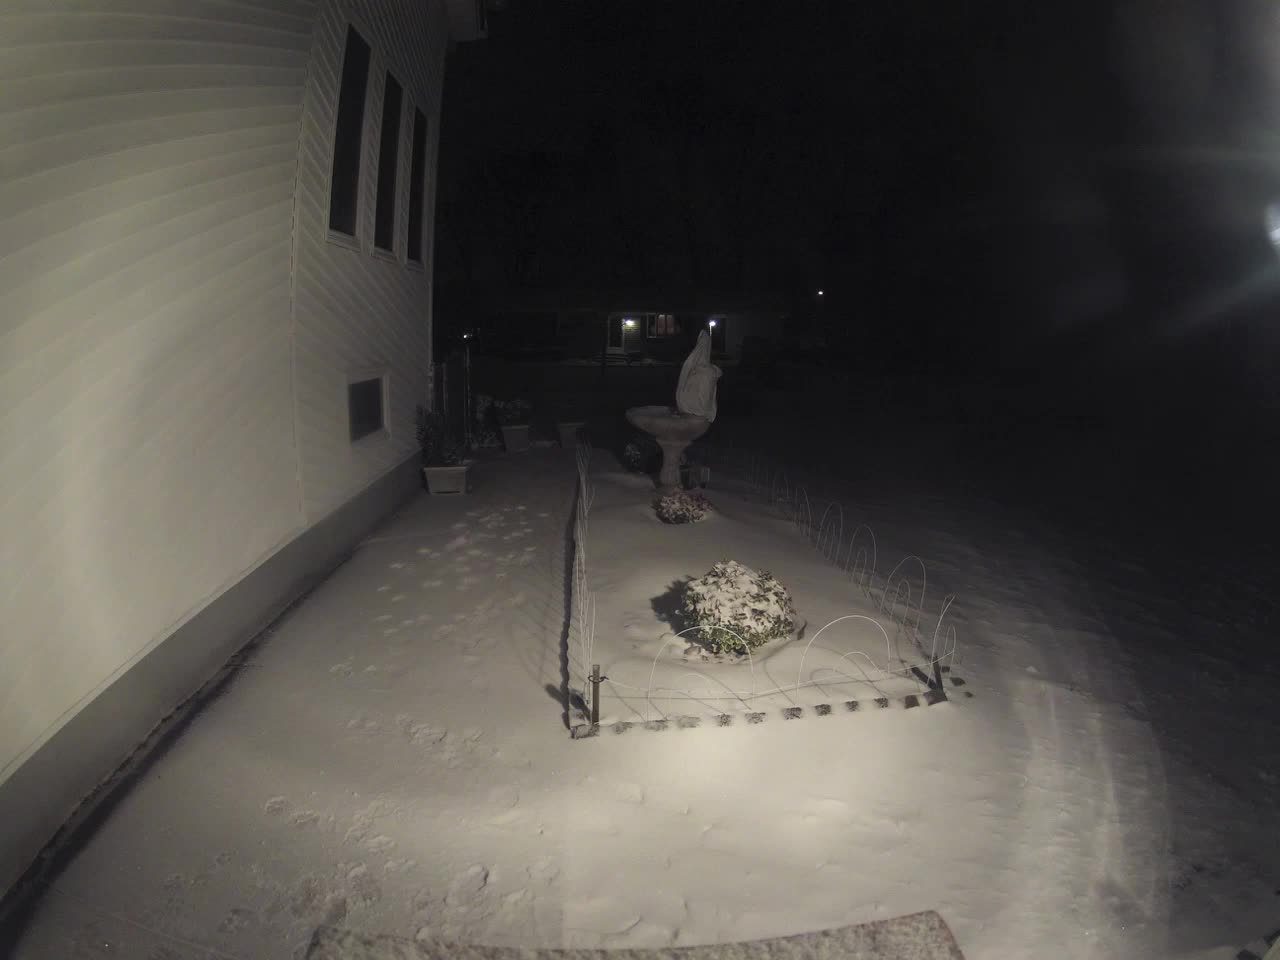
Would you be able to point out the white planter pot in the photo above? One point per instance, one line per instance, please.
(569, 432)
(516, 437)
(447, 479)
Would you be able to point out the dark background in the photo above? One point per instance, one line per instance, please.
(1064, 199)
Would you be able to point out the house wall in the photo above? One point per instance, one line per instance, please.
(359, 310)
(173, 431)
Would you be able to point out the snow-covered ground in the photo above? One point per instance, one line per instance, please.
(394, 759)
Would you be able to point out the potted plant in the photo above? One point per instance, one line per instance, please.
(444, 467)
(569, 430)
(513, 421)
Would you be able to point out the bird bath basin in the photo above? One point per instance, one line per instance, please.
(674, 431)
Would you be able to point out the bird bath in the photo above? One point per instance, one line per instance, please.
(674, 431)
(676, 427)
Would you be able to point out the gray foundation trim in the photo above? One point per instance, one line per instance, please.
(49, 790)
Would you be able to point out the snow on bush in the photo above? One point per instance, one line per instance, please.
(740, 608)
(680, 506)
(638, 455)
(643, 455)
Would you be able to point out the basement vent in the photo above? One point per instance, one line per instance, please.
(365, 407)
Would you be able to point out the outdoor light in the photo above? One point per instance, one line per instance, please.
(466, 336)
(819, 293)
(711, 323)
(628, 323)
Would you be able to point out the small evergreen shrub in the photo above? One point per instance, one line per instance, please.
(681, 506)
(512, 412)
(643, 455)
(439, 447)
(740, 608)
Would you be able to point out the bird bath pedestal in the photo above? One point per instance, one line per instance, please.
(674, 431)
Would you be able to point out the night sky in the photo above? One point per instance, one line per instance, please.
(994, 184)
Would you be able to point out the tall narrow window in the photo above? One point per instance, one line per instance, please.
(344, 190)
(417, 185)
(384, 226)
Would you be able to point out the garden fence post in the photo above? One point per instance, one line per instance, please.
(595, 695)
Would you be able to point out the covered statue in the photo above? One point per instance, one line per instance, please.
(696, 392)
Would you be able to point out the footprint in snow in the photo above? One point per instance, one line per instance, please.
(421, 734)
(544, 870)
(396, 566)
(237, 919)
(305, 819)
(397, 598)
(276, 805)
(364, 888)
(467, 886)
(384, 588)
(505, 796)
(429, 584)
(630, 792)
(382, 618)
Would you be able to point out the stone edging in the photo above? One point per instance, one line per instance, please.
(926, 699)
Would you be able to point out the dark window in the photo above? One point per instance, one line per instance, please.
(345, 187)
(364, 407)
(717, 334)
(384, 227)
(662, 325)
(417, 185)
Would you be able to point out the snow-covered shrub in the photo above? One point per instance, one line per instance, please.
(639, 455)
(681, 506)
(512, 412)
(739, 608)
(485, 438)
(484, 433)
(643, 455)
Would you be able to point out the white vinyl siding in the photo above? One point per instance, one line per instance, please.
(357, 309)
(148, 157)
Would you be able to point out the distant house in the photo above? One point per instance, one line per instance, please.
(215, 260)
(621, 327)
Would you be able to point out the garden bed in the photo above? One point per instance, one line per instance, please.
(844, 648)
